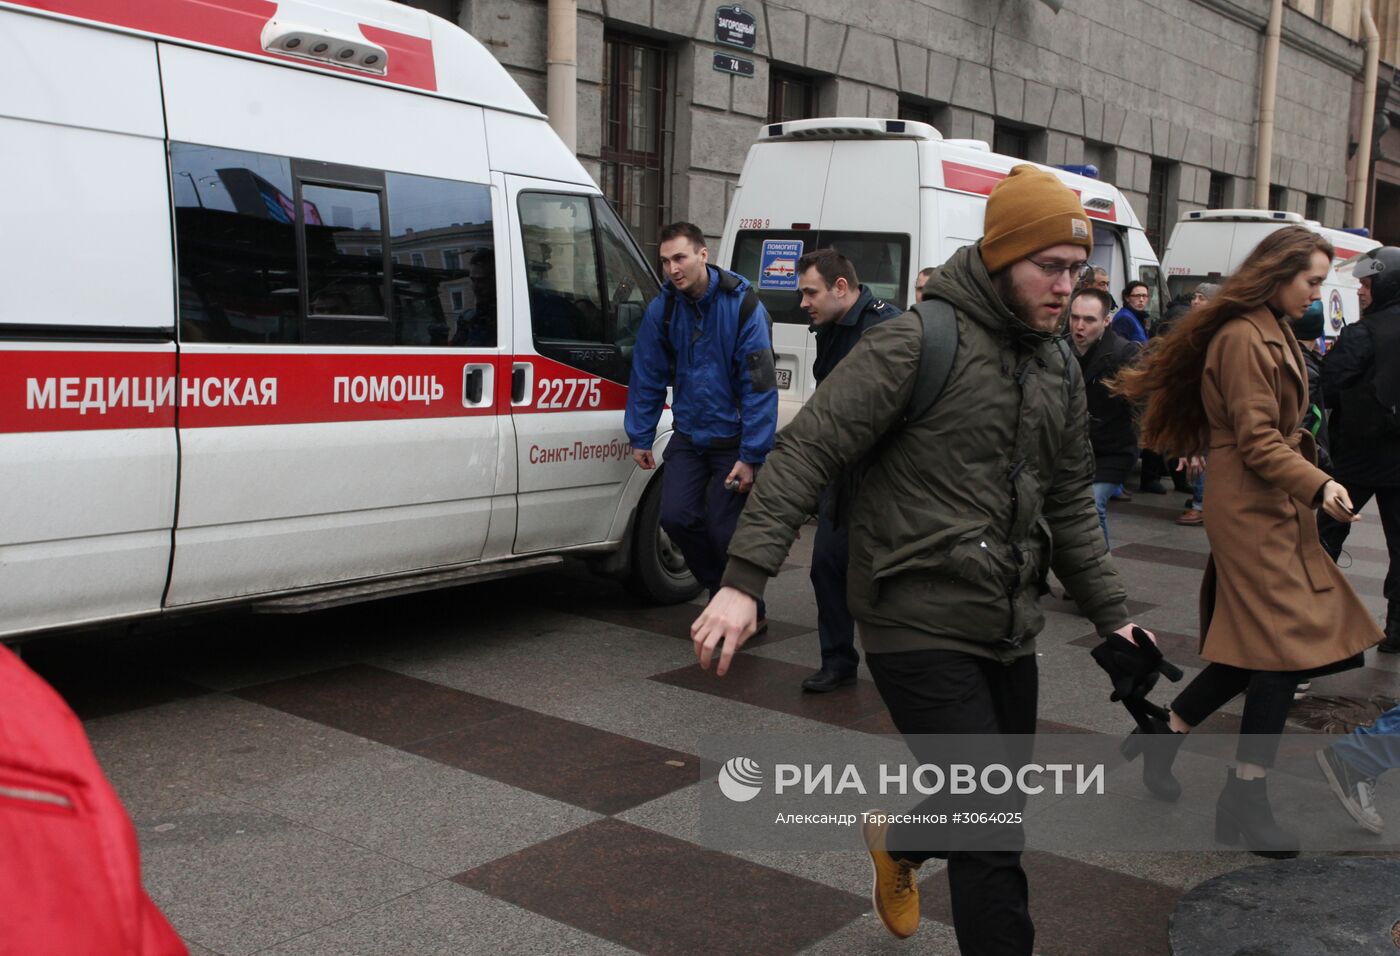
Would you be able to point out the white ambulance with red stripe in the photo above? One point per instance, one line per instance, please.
(894, 197)
(302, 303)
(1207, 245)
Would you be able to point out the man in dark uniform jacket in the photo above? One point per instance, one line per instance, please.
(841, 310)
(1102, 352)
(1361, 386)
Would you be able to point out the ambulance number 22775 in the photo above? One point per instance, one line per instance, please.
(569, 393)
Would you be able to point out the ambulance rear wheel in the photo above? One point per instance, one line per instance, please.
(659, 572)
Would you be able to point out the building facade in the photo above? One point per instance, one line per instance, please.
(1161, 95)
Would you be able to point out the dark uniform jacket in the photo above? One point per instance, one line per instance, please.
(963, 511)
(1360, 386)
(1111, 429)
(836, 339)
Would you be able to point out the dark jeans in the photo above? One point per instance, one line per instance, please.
(1267, 697)
(836, 629)
(1334, 533)
(697, 512)
(949, 692)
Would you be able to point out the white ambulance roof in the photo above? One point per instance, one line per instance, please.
(964, 165)
(421, 51)
(1346, 244)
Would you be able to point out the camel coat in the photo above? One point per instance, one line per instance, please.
(1272, 600)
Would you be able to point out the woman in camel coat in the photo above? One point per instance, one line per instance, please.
(1275, 610)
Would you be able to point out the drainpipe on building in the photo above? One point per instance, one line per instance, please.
(561, 96)
(1361, 174)
(1264, 147)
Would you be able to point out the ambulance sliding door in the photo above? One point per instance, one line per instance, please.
(580, 289)
(340, 329)
(87, 456)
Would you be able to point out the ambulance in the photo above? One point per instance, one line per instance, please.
(894, 197)
(1207, 245)
(303, 303)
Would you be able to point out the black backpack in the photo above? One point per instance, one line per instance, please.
(940, 347)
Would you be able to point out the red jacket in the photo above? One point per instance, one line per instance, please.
(70, 870)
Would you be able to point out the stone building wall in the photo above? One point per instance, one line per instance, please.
(1115, 82)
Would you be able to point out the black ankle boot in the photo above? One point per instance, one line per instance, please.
(1158, 750)
(1243, 814)
(1391, 644)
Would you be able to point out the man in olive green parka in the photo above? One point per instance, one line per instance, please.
(959, 517)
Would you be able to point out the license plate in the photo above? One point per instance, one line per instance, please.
(784, 377)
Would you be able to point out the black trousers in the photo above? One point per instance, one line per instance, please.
(1267, 697)
(1334, 533)
(836, 628)
(949, 692)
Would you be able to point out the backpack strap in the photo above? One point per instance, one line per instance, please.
(667, 311)
(1071, 368)
(940, 346)
(727, 283)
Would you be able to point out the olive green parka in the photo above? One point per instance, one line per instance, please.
(960, 514)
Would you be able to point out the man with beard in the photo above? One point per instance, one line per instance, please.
(960, 514)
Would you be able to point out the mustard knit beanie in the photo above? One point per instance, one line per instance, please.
(1028, 211)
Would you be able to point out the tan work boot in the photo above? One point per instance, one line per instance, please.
(895, 892)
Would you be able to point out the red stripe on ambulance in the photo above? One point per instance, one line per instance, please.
(238, 24)
(980, 181)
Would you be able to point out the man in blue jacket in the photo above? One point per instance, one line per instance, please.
(707, 337)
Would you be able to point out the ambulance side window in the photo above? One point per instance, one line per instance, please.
(563, 269)
(630, 284)
(444, 288)
(236, 242)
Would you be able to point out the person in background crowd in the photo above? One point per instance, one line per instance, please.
(947, 562)
(1275, 611)
(1099, 280)
(1111, 433)
(1353, 765)
(695, 338)
(1194, 515)
(1131, 321)
(919, 283)
(842, 310)
(1361, 389)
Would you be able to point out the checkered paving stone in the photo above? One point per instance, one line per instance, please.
(1079, 908)
(568, 761)
(663, 896)
(571, 882)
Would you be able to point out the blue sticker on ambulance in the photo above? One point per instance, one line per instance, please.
(777, 266)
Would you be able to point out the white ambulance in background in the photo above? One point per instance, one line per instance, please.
(1208, 245)
(894, 197)
(302, 303)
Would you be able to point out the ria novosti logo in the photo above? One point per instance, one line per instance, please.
(740, 779)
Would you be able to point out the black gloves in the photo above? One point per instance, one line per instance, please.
(1134, 669)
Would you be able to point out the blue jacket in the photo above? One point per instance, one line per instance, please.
(725, 389)
(1128, 324)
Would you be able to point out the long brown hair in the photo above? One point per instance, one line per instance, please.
(1167, 379)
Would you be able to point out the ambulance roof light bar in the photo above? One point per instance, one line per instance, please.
(1242, 215)
(325, 46)
(850, 127)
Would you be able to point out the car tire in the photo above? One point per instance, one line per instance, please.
(658, 573)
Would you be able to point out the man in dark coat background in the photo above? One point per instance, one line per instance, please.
(1102, 352)
(1361, 387)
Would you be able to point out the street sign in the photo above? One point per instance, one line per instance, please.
(735, 26)
(733, 64)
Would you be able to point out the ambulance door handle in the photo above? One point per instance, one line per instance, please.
(472, 386)
(519, 383)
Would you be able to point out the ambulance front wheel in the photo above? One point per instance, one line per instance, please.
(659, 572)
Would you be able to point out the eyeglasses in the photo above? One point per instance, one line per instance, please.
(1140, 295)
(1077, 271)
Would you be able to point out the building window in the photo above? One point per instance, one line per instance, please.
(791, 96)
(1314, 208)
(1220, 191)
(451, 258)
(915, 111)
(1010, 141)
(1157, 217)
(636, 77)
(1102, 157)
(1278, 198)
